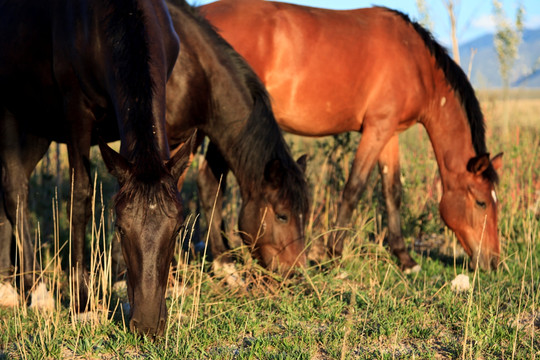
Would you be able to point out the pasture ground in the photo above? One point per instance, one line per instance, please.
(361, 307)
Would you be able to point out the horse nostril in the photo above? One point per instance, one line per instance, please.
(494, 262)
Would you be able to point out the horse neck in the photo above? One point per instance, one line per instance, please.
(140, 75)
(233, 98)
(243, 134)
(450, 135)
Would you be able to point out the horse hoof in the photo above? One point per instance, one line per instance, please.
(415, 269)
(42, 299)
(8, 296)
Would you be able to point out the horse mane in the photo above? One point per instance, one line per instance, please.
(462, 87)
(129, 44)
(260, 130)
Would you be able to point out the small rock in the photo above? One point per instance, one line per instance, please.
(460, 283)
(42, 298)
(8, 296)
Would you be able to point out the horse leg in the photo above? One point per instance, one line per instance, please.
(79, 211)
(40, 296)
(391, 186)
(6, 236)
(19, 154)
(212, 171)
(371, 144)
(8, 295)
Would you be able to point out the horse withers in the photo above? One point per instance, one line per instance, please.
(373, 71)
(72, 71)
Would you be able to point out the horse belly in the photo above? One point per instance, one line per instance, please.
(314, 118)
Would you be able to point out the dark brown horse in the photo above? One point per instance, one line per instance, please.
(213, 89)
(71, 71)
(376, 72)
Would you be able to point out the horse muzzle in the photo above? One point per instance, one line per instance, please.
(147, 320)
(486, 261)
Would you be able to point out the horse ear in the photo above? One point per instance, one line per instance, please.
(477, 165)
(496, 161)
(182, 159)
(273, 173)
(302, 163)
(117, 165)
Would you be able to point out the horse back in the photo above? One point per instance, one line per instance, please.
(330, 66)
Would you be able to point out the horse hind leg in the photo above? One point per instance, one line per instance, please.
(391, 186)
(19, 154)
(41, 298)
(371, 144)
(8, 295)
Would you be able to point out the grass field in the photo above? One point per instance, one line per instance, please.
(360, 308)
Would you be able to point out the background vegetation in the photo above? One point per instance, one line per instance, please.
(362, 307)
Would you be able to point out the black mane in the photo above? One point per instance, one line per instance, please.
(127, 37)
(261, 130)
(462, 87)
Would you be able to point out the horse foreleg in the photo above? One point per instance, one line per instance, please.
(79, 209)
(391, 186)
(211, 181)
(371, 144)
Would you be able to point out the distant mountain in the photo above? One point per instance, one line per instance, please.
(485, 64)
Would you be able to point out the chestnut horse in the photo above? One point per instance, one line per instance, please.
(214, 90)
(373, 71)
(73, 71)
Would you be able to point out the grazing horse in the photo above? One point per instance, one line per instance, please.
(74, 71)
(214, 90)
(377, 72)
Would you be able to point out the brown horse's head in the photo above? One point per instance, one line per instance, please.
(469, 208)
(148, 219)
(272, 218)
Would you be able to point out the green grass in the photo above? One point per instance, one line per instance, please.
(360, 308)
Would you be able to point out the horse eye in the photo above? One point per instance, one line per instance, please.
(282, 218)
(481, 204)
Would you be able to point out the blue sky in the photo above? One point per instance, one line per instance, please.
(474, 17)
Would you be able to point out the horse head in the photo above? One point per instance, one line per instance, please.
(148, 220)
(469, 207)
(272, 219)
